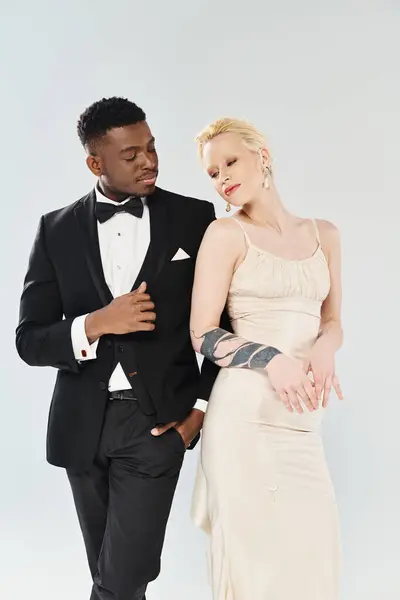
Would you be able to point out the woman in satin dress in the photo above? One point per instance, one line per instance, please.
(263, 491)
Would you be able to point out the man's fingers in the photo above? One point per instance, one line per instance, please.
(144, 326)
(141, 289)
(139, 298)
(143, 306)
(146, 316)
(156, 431)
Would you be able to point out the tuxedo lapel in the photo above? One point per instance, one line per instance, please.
(159, 240)
(87, 226)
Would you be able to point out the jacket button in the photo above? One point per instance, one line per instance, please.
(103, 385)
(120, 348)
(108, 343)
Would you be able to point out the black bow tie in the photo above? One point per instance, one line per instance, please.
(105, 211)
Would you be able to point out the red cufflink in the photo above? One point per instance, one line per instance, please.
(84, 353)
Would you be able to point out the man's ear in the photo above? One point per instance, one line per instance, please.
(94, 164)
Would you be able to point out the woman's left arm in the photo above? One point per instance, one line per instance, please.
(330, 337)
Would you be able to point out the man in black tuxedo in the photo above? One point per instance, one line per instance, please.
(106, 301)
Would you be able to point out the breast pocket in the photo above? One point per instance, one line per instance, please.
(178, 275)
(183, 263)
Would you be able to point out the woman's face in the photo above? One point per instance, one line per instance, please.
(236, 171)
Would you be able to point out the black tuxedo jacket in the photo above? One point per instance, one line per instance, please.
(65, 279)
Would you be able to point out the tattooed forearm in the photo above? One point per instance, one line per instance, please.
(229, 350)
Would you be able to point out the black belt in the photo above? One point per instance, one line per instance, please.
(122, 395)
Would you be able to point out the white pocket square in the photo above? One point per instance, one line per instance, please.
(180, 255)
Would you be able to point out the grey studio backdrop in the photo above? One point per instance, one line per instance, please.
(321, 79)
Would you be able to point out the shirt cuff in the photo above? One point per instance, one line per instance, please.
(80, 344)
(201, 405)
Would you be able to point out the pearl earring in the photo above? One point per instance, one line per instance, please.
(267, 174)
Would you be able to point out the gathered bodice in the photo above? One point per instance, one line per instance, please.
(277, 301)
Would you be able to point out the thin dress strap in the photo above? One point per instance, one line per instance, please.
(314, 221)
(246, 237)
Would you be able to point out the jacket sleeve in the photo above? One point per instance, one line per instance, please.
(43, 337)
(210, 370)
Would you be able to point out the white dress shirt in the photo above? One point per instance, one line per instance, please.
(124, 240)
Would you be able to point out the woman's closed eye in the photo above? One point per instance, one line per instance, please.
(229, 163)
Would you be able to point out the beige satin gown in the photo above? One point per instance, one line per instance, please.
(263, 491)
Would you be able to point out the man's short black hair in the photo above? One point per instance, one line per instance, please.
(104, 115)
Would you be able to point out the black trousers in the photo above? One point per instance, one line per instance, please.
(123, 502)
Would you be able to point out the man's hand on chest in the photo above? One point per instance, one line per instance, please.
(126, 314)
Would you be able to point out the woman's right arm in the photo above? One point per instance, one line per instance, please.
(220, 253)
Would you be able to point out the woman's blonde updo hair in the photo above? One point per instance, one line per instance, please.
(251, 137)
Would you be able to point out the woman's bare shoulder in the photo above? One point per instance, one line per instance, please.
(327, 227)
(226, 227)
(329, 236)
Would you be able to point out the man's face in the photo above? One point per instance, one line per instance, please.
(126, 161)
